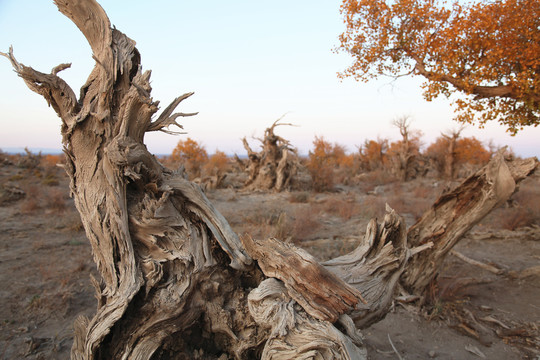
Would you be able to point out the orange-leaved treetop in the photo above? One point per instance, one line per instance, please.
(191, 154)
(488, 52)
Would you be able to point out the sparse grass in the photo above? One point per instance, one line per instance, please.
(372, 206)
(305, 223)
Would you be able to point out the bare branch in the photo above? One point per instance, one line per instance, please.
(167, 118)
(54, 89)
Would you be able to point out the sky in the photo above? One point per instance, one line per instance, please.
(248, 62)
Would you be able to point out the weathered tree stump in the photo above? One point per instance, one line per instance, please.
(274, 167)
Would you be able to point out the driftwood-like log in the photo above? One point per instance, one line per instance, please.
(322, 294)
(456, 212)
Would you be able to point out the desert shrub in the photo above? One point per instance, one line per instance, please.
(329, 163)
(29, 160)
(33, 199)
(55, 200)
(372, 154)
(191, 154)
(369, 180)
(525, 210)
(372, 206)
(305, 223)
(320, 165)
(217, 164)
(344, 208)
(50, 178)
(51, 161)
(299, 197)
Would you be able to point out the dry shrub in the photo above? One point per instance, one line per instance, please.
(51, 177)
(372, 206)
(368, 181)
(344, 208)
(299, 197)
(29, 160)
(32, 201)
(217, 164)
(525, 210)
(51, 161)
(192, 155)
(414, 202)
(305, 223)
(55, 200)
(321, 164)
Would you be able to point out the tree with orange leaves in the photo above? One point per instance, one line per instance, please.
(487, 51)
(449, 153)
(373, 154)
(191, 154)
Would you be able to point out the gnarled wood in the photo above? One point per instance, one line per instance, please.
(274, 167)
(293, 335)
(456, 212)
(176, 282)
(322, 294)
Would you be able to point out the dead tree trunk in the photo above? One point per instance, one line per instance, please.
(176, 281)
(450, 155)
(456, 212)
(274, 167)
(403, 159)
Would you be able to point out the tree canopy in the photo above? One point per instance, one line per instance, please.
(489, 52)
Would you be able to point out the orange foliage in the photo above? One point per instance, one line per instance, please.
(468, 150)
(320, 165)
(191, 154)
(486, 50)
(52, 160)
(373, 154)
(217, 163)
(322, 161)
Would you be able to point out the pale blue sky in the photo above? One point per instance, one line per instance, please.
(248, 62)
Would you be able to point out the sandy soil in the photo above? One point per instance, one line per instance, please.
(46, 264)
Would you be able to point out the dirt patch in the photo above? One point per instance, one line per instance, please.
(46, 263)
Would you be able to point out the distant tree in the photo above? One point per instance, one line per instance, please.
(191, 154)
(217, 164)
(471, 151)
(487, 51)
(328, 163)
(176, 282)
(373, 154)
(449, 153)
(321, 164)
(404, 154)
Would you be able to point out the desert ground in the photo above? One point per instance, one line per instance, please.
(46, 264)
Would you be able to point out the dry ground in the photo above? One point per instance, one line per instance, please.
(46, 264)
